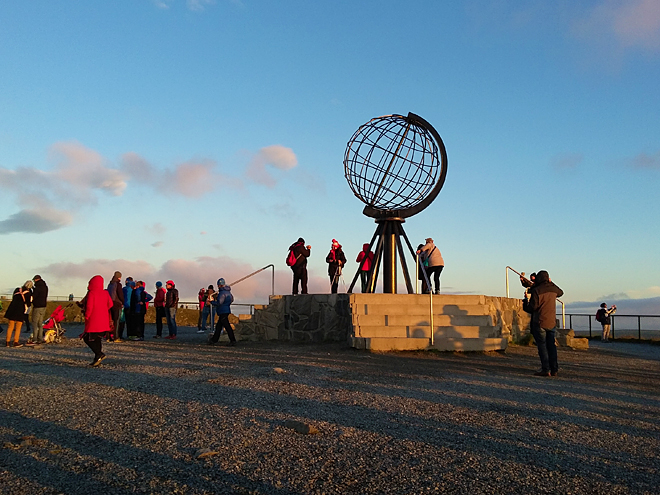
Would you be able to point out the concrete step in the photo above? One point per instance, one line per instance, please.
(403, 299)
(420, 309)
(244, 317)
(389, 344)
(412, 344)
(258, 307)
(471, 345)
(421, 320)
(402, 331)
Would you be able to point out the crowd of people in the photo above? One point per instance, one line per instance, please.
(429, 256)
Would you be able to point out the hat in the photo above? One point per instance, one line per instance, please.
(428, 239)
(334, 241)
(221, 282)
(300, 239)
(36, 277)
(159, 284)
(604, 305)
(211, 286)
(169, 282)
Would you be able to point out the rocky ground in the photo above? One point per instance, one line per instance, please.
(184, 417)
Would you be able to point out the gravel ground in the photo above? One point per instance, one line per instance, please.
(184, 417)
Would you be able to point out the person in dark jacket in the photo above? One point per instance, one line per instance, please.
(365, 258)
(605, 319)
(15, 314)
(27, 287)
(301, 252)
(208, 309)
(117, 295)
(335, 260)
(39, 300)
(542, 305)
(129, 309)
(171, 303)
(123, 322)
(222, 303)
(159, 305)
(139, 302)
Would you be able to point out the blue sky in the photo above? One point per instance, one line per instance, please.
(197, 139)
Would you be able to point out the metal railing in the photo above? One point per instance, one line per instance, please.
(563, 306)
(272, 282)
(651, 320)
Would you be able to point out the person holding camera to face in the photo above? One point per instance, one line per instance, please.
(604, 318)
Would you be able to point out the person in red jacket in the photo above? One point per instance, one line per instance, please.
(365, 258)
(97, 318)
(159, 304)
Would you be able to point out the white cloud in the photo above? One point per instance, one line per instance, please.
(35, 221)
(199, 5)
(275, 156)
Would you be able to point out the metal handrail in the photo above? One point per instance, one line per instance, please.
(272, 287)
(614, 317)
(428, 284)
(563, 307)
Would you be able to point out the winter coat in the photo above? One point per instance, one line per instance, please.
(223, 300)
(27, 294)
(335, 259)
(368, 254)
(159, 300)
(16, 309)
(128, 292)
(98, 302)
(172, 298)
(542, 302)
(139, 300)
(116, 291)
(301, 253)
(433, 254)
(40, 294)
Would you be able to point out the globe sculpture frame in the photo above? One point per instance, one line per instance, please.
(396, 166)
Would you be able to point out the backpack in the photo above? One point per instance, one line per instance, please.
(600, 315)
(291, 258)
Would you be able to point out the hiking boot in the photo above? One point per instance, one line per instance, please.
(542, 373)
(117, 341)
(553, 373)
(232, 344)
(157, 337)
(17, 344)
(98, 360)
(201, 331)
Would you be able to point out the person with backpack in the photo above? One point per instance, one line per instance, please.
(365, 258)
(222, 302)
(139, 303)
(129, 309)
(335, 260)
(603, 317)
(209, 309)
(297, 260)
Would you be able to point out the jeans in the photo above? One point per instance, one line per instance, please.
(208, 310)
(435, 271)
(299, 275)
(545, 341)
(160, 314)
(364, 280)
(170, 314)
(38, 323)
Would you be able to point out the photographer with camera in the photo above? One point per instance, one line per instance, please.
(603, 317)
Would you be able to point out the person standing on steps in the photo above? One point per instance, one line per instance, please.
(365, 258)
(435, 263)
(335, 260)
(301, 253)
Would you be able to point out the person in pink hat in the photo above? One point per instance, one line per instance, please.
(335, 260)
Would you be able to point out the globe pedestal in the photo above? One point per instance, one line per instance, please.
(388, 248)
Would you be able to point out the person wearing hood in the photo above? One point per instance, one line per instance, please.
(116, 292)
(171, 303)
(335, 260)
(39, 300)
(542, 305)
(97, 318)
(222, 303)
(301, 253)
(159, 305)
(366, 259)
(435, 263)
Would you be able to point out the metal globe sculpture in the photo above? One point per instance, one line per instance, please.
(396, 166)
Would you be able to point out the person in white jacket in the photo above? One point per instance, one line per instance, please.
(435, 263)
